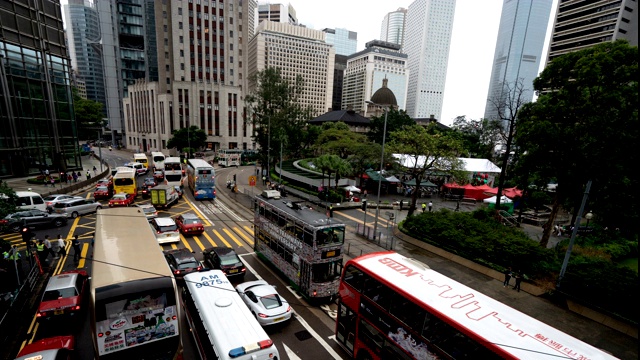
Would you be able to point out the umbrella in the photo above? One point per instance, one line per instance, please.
(351, 188)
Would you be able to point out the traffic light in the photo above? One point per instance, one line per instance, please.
(364, 205)
(27, 235)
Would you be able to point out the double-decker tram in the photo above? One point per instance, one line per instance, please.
(134, 300)
(394, 307)
(229, 157)
(201, 179)
(304, 245)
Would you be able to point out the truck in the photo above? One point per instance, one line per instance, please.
(163, 196)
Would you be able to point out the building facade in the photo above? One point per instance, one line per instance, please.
(581, 24)
(344, 41)
(427, 39)
(38, 129)
(296, 51)
(202, 71)
(276, 13)
(340, 65)
(517, 57)
(366, 70)
(392, 29)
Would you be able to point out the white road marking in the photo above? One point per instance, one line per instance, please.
(319, 339)
(230, 212)
(290, 353)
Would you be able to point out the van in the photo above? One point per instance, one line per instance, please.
(27, 200)
(138, 167)
(271, 194)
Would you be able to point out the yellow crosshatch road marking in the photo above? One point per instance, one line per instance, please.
(221, 238)
(186, 243)
(232, 237)
(83, 255)
(174, 246)
(210, 239)
(195, 238)
(249, 230)
(205, 222)
(244, 236)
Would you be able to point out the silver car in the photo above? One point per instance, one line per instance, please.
(76, 207)
(264, 302)
(52, 199)
(149, 210)
(165, 229)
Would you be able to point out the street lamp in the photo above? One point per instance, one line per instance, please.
(384, 137)
(588, 216)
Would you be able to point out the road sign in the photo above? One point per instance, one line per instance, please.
(252, 180)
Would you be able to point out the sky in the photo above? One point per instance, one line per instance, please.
(473, 41)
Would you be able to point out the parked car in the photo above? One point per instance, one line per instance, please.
(32, 218)
(158, 175)
(53, 348)
(189, 224)
(121, 199)
(181, 262)
(264, 302)
(166, 230)
(64, 296)
(103, 192)
(149, 210)
(76, 207)
(51, 200)
(225, 259)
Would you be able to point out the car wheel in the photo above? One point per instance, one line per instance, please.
(58, 223)
(74, 214)
(98, 208)
(15, 228)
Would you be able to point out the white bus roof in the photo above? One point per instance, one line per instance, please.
(172, 159)
(139, 156)
(514, 332)
(221, 309)
(197, 163)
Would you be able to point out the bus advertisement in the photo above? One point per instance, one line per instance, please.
(157, 159)
(201, 179)
(173, 171)
(394, 307)
(125, 181)
(134, 299)
(306, 246)
(229, 157)
(142, 159)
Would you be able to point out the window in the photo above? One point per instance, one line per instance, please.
(180, 25)
(179, 11)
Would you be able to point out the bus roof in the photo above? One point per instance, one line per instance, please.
(305, 214)
(122, 234)
(199, 163)
(170, 159)
(506, 328)
(139, 156)
(221, 309)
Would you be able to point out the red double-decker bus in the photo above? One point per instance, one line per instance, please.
(394, 307)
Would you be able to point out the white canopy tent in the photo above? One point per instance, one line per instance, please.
(470, 165)
(492, 200)
(351, 188)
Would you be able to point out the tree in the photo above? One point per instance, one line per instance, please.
(584, 126)
(187, 139)
(365, 156)
(427, 149)
(479, 137)
(276, 107)
(336, 138)
(396, 120)
(89, 116)
(7, 200)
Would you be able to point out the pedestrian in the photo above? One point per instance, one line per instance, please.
(430, 206)
(264, 180)
(401, 201)
(48, 245)
(76, 249)
(95, 170)
(88, 175)
(424, 206)
(46, 172)
(364, 195)
(518, 277)
(62, 251)
(457, 206)
(69, 178)
(507, 277)
(79, 175)
(74, 176)
(53, 182)
(42, 251)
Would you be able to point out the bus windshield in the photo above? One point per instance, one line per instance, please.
(122, 181)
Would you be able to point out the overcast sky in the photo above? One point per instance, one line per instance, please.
(475, 30)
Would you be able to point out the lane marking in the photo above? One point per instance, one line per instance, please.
(319, 339)
(83, 255)
(249, 230)
(208, 222)
(210, 239)
(221, 238)
(232, 237)
(195, 238)
(245, 237)
(186, 243)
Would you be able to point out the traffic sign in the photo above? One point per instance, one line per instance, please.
(252, 180)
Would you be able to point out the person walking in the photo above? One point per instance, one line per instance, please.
(507, 277)
(518, 277)
(430, 206)
(62, 251)
(69, 178)
(79, 175)
(53, 182)
(88, 175)
(74, 176)
(424, 207)
(47, 244)
(42, 252)
(95, 170)
(76, 249)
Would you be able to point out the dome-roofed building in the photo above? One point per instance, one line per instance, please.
(381, 99)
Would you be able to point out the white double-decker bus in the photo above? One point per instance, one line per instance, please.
(173, 171)
(157, 160)
(222, 325)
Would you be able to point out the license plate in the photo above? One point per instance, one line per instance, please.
(58, 312)
(168, 235)
(278, 319)
(233, 271)
(331, 253)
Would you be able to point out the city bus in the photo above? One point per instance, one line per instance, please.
(173, 171)
(304, 245)
(222, 325)
(157, 159)
(124, 181)
(229, 157)
(201, 179)
(134, 298)
(142, 159)
(394, 307)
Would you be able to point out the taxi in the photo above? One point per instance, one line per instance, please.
(189, 224)
(102, 192)
(64, 295)
(57, 347)
(121, 199)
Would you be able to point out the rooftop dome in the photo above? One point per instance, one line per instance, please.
(384, 95)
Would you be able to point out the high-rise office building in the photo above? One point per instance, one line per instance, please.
(202, 71)
(340, 65)
(83, 31)
(38, 129)
(344, 41)
(277, 13)
(366, 71)
(392, 29)
(581, 24)
(521, 36)
(427, 38)
(296, 51)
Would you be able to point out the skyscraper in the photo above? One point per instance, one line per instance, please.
(521, 36)
(427, 38)
(37, 126)
(392, 29)
(277, 13)
(582, 24)
(344, 41)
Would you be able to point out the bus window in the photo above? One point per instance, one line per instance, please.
(326, 271)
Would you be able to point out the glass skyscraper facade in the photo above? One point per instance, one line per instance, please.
(38, 128)
(344, 41)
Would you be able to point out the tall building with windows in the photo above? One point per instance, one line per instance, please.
(202, 71)
(344, 41)
(366, 71)
(277, 13)
(38, 129)
(392, 29)
(296, 51)
(581, 24)
(427, 38)
(516, 61)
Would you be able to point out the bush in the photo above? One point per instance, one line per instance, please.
(39, 180)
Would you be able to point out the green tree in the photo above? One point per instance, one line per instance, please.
(365, 156)
(89, 116)
(427, 150)
(332, 164)
(584, 126)
(396, 120)
(336, 138)
(188, 140)
(478, 137)
(7, 200)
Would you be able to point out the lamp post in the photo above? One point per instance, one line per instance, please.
(588, 216)
(567, 255)
(384, 137)
(188, 137)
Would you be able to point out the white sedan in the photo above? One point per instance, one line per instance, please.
(264, 302)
